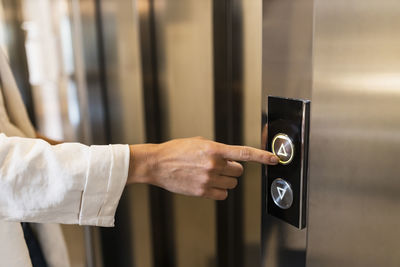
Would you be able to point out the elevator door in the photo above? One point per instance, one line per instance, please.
(354, 185)
(352, 50)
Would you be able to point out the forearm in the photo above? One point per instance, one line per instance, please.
(139, 164)
(67, 183)
(192, 166)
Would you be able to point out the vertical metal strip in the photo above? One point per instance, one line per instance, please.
(116, 247)
(80, 75)
(162, 228)
(228, 108)
(160, 200)
(102, 68)
(116, 242)
(89, 246)
(17, 54)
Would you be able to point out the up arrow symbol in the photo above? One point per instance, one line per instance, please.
(282, 151)
(281, 192)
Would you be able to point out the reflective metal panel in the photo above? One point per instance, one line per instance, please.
(355, 135)
(228, 118)
(123, 70)
(12, 39)
(286, 70)
(129, 243)
(42, 35)
(251, 56)
(184, 51)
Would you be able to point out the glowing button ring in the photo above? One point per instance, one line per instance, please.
(282, 146)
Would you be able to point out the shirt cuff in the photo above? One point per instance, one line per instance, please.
(106, 178)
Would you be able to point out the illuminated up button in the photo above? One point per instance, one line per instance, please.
(282, 146)
(282, 193)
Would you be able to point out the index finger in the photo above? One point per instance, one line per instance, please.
(246, 153)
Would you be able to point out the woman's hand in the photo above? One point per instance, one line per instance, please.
(193, 166)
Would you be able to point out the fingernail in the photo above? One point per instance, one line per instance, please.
(274, 159)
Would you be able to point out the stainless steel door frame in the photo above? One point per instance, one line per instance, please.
(287, 72)
(347, 53)
(354, 185)
(228, 123)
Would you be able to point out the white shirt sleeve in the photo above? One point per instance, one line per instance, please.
(68, 183)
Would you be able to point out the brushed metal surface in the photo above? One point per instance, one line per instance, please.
(252, 61)
(123, 70)
(286, 69)
(123, 78)
(355, 135)
(185, 68)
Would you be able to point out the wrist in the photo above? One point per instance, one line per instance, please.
(141, 163)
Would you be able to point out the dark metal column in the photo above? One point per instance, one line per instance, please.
(102, 68)
(17, 53)
(228, 91)
(116, 242)
(160, 200)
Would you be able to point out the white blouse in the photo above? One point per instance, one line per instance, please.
(68, 183)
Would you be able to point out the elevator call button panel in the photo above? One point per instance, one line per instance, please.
(286, 183)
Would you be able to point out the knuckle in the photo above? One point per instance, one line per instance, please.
(207, 146)
(210, 148)
(245, 154)
(223, 195)
(211, 165)
(205, 180)
(234, 183)
(200, 192)
(240, 169)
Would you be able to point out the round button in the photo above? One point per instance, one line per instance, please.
(282, 193)
(282, 146)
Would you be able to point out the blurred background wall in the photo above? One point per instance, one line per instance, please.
(134, 71)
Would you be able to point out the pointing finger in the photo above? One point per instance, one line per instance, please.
(246, 153)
